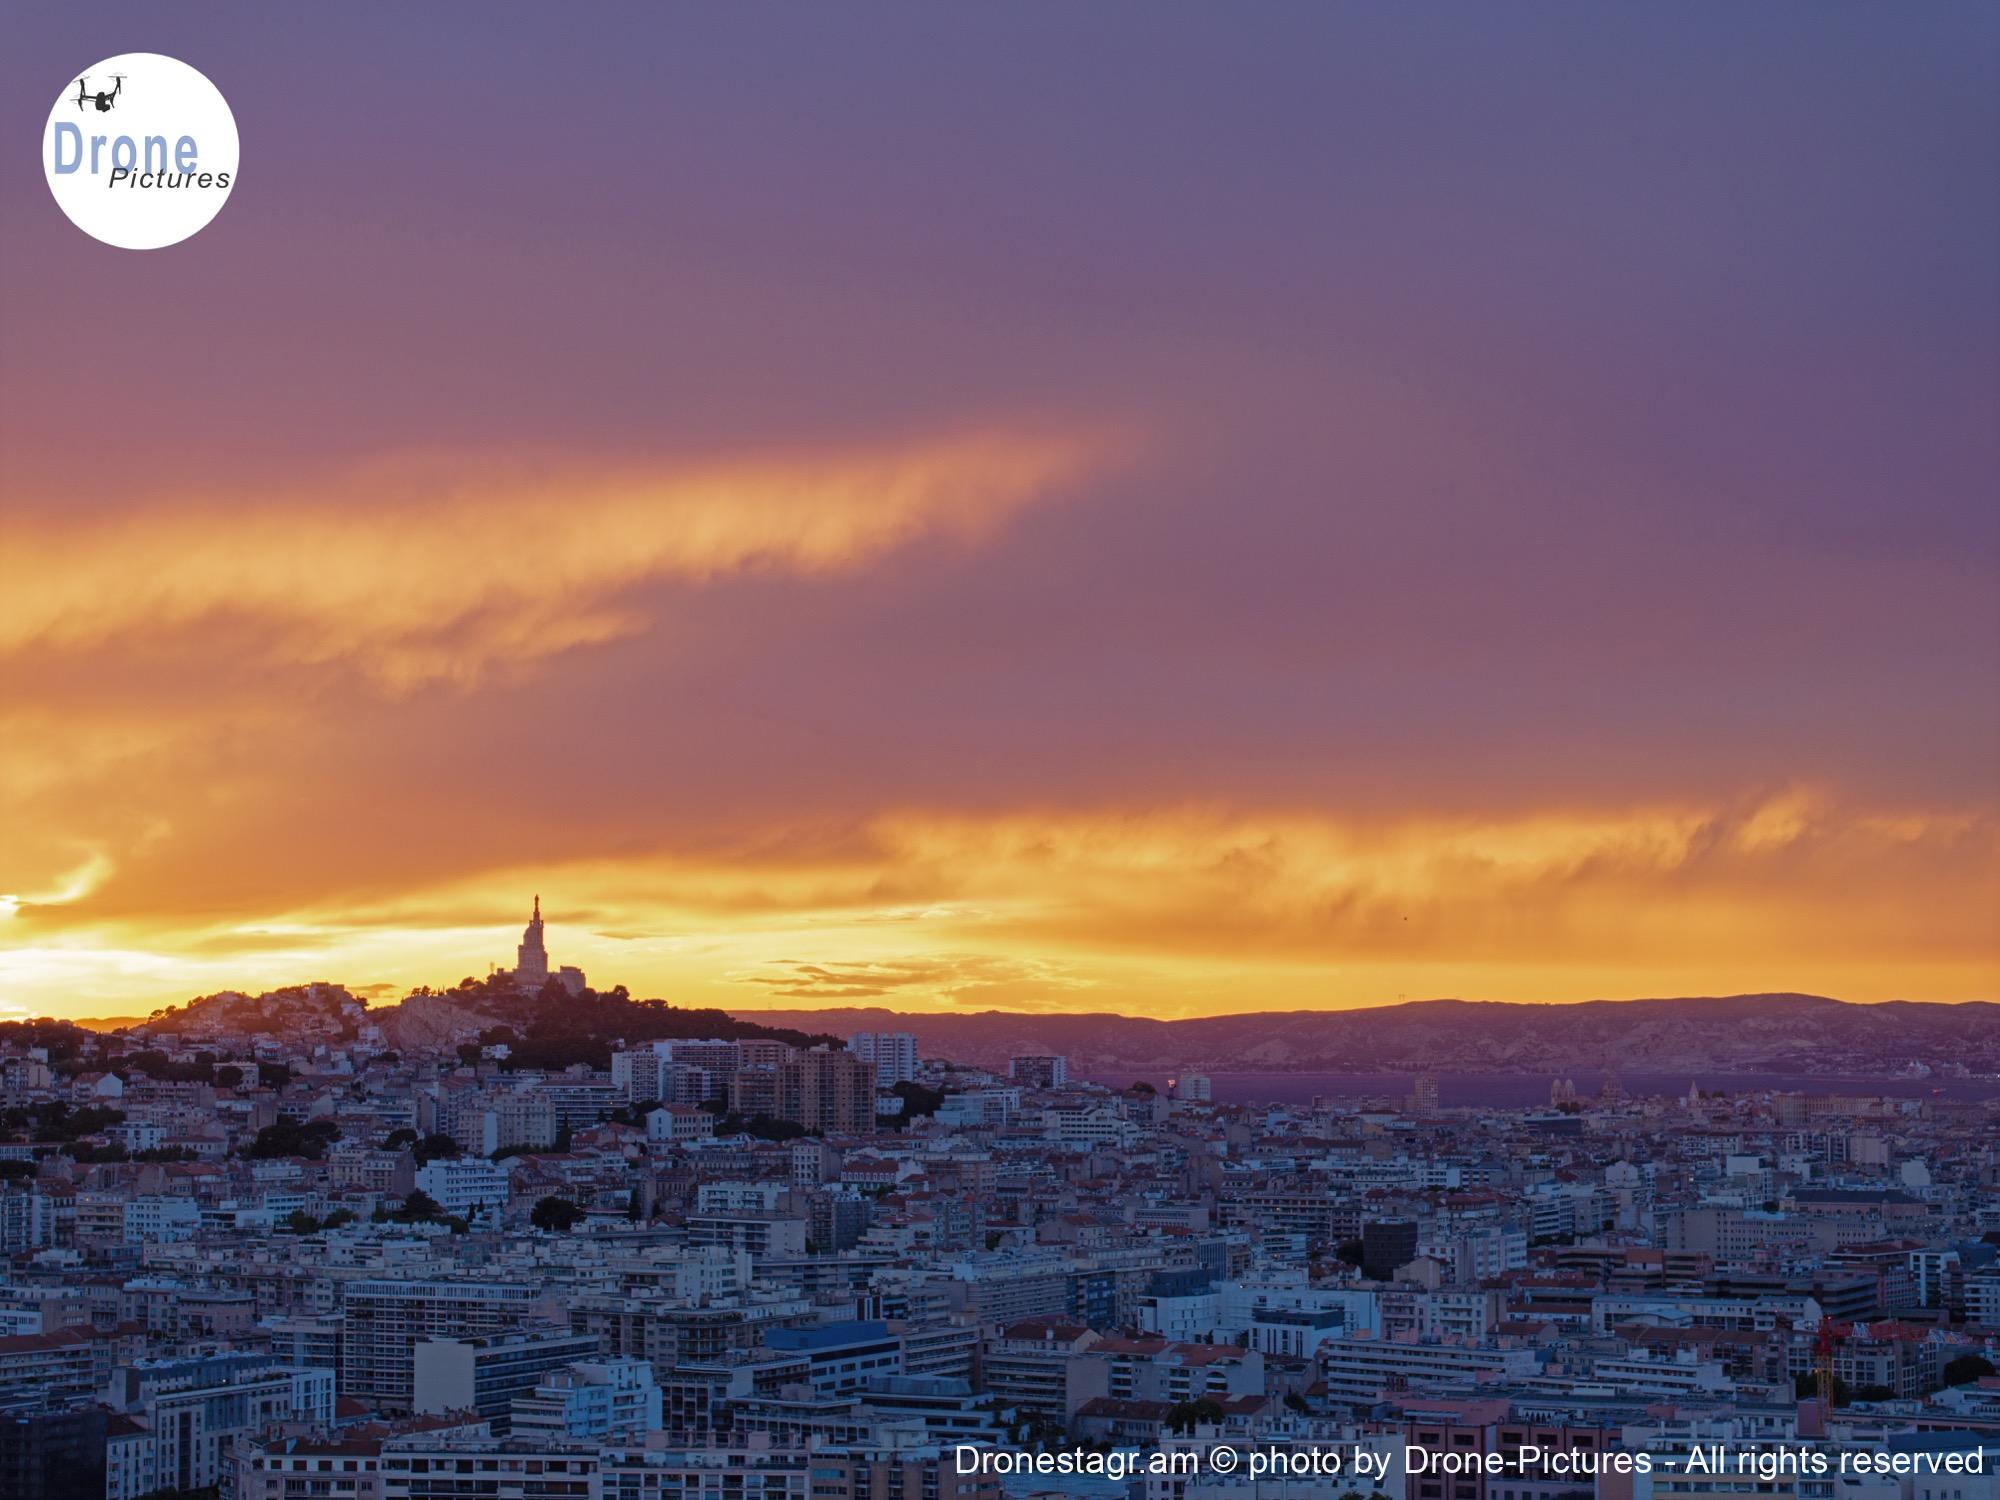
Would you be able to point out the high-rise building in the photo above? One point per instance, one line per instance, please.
(827, 1091)
(386, 1319)
(1424, 1094)
(485, 1374)
(52, 1455)
(1387, 1245)
(894, 1054)
(1039, 1071)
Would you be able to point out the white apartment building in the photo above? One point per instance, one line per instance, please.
(1358, 1368)
(485, 1374)
(465, 1186)
(195, 1409)
(598, 1398)
(894, 1054)
(386, 1318)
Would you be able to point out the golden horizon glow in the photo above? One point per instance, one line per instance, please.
(1172, 912)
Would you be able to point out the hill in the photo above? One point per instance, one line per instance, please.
(551, 1028)
(318, 1009)
(109, 1023)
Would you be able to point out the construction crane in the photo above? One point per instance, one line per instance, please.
(1823, 1348)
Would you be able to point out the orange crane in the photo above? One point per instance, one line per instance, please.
(1823, 1348)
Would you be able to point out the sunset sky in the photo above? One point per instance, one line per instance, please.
(1170, 508)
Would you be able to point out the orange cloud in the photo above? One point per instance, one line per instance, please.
(1177, 910)
(429, 570)
(198, 795)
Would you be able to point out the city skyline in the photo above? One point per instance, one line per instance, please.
(1020, 510)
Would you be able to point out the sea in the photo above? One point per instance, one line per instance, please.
(1523, 1090)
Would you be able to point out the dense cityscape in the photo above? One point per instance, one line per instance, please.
(1260, 742)
(259, 1249)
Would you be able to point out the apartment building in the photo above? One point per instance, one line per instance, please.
(485, 1374)
(387, 1319)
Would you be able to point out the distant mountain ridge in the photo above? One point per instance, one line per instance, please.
(1709, 1034)
(1771, 1033)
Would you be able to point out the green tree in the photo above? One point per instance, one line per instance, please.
(1185, 1416)
(557, 1214)
(292, 1138)
(1807, 1388)
(1967, 1368)
(918, 1101)
(419, 1208)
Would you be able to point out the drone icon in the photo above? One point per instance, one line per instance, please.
(103, 101)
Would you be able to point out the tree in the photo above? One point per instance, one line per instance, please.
(419, 1208)
(1185, 1416)
(301, 1222)
(435, 1147)
(1967, 1368)
(1807, 1388)
(918, 1101)
(291, 1138)
(557, 1214)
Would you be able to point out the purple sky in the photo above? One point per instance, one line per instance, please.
(1550, 416)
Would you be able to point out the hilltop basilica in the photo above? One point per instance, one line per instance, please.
(531, 964)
